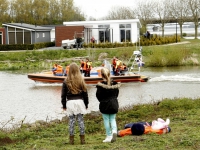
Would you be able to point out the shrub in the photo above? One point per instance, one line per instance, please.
(184, 34)
(9, 47)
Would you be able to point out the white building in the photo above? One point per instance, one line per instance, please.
(109, 30)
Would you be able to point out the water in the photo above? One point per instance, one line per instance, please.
(23, 99)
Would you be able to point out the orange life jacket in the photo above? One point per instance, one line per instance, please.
(84, 65)
(147, 130)
(59, 69)
(67, 69)
(54, 67)
(114, 62)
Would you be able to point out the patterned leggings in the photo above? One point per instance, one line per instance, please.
(72, 120)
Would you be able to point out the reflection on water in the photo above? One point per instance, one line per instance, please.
(22, 98)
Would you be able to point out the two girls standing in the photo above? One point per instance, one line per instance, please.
(74, 98)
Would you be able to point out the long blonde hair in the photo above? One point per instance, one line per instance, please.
(74, 80)
(105, 73)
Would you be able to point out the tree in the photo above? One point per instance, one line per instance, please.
(145, 12)
(21, 11)
(4, 5)
(117, 13)
(40, 9)
(179, 11)
(66, 10)
(163, 13)
(195, 11)
(54, 12)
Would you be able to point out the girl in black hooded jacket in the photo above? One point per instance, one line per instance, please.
(107, 93)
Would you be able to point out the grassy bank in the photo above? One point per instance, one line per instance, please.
(154, 56)
(183, 113)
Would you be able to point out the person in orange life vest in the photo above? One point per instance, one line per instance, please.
(118, 66)
(54, 68)
(114, 64)
(83, 66)
(66, 70)
(157, 126)
(88, 68)
(57, 70)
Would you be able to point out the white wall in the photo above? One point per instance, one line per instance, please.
(114, 28)
(95, 33)
(52, 35)
(116, 36)
(134, 32)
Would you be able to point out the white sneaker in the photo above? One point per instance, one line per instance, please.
(114, 136)
(108, 139)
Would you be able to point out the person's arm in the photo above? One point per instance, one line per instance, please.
(85, 99)
(54, 69)
(64, 96)
(99, 94)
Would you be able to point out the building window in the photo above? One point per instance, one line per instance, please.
(38, 35)
(104, 33)
(43, 35)
(125, 32)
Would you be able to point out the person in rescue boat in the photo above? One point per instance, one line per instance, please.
(66, 70)
(107, 95)
(158, 126)
(57, 70)
(114, 65)
(118, 66)
(88, 68)
(83, 66)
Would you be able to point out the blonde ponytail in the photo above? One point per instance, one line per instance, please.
(105, 73)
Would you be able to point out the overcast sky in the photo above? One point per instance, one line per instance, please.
(100, 8)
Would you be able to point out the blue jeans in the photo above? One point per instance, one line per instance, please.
(110, 123)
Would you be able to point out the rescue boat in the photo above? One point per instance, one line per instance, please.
(93, 79)
(95, 76)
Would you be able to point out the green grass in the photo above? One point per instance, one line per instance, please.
(154, 56)
(183, 113)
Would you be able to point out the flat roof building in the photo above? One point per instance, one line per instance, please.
(109, 30)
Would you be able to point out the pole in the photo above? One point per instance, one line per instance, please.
(176, 29)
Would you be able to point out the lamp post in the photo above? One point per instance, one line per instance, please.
(176, 29)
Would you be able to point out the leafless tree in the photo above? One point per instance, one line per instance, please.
(195, 13)
(179, 11)
(162, 12)
(145, 12)
(117, 13)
